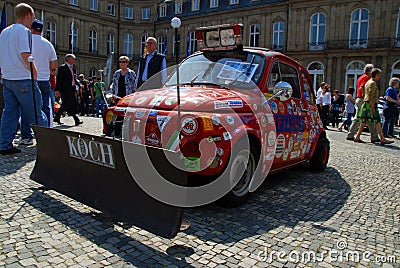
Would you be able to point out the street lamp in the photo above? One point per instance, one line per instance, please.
(176, 23)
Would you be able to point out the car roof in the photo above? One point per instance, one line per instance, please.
(262, 50)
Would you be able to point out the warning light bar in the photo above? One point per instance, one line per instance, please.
(220, 37)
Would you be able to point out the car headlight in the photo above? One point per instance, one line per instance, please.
(109, 116)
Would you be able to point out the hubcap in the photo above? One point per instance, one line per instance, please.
(242, 166)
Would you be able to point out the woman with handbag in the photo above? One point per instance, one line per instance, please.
(369, 109)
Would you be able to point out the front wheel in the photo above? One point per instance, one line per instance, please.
(109, 129)
(319, 160)
(243, 163)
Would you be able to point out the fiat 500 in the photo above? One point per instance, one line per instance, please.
(240, 111)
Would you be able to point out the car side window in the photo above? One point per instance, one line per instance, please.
(308, 95)
(284, 72)
(274, 78)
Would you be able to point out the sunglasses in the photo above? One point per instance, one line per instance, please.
(123, 62)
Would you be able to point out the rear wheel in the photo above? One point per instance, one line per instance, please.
(243, 163)
(319, 160)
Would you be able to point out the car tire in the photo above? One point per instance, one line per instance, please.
(319, 160)
(241, 157)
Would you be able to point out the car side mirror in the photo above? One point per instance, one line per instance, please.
(283, 90)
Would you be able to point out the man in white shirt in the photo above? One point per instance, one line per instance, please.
(322, 86)
(17, 83)
(46, 60)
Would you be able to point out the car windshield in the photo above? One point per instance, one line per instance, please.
(224, 68)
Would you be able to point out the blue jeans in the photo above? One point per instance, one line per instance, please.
(45, 89)
(100, 105)
(52, 100)
(18, 101)
(389, 122)
(347, 122)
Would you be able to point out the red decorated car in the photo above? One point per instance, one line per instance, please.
(242, 111)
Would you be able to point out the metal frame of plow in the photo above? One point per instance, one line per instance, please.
(93, 171)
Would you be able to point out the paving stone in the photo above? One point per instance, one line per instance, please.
(355, 200)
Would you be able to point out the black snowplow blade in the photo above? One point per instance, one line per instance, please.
(95, 173)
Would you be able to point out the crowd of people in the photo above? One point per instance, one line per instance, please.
(33, 86)
(362, 109)
(37, 91)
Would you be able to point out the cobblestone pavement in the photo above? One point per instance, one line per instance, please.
(347, 216)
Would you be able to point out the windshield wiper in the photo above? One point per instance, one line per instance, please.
(205, 72)
(241, 73)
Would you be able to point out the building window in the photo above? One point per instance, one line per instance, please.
(111, 9)
(233, 2)
(397, 40)
(195, 5)
(353, 71)
(254, 37)
(160, 44)
(51, 33)
(213, 3)
(92, 42)
(359, 28)
(317, 31)
(396, 69)
(110, 43)
(143, 45)
(145, 13)
(128, 45)
(192, 44)
(178, 7)
(316, 70)
(163, 10)
(129, 13)
(277, 41)
(73, 2)
(92, 73)
(73, 43)
(94, 5)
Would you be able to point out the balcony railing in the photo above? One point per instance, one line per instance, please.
(315, 46)
(359, 43)
(397, 42)
(277, 47)
(76, 49)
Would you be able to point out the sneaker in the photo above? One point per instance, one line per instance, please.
(25, 141)
(12, 150)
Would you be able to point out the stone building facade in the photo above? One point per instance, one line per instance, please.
(333, 39)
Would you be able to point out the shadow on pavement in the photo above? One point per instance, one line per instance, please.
(101, 232)
(11, 164)
(285, 199)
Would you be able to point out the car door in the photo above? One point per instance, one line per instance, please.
(287, 113)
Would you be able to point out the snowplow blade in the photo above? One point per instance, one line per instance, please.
(93, 171)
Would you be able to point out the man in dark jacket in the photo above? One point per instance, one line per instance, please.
(66, 85)
(151, 64)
